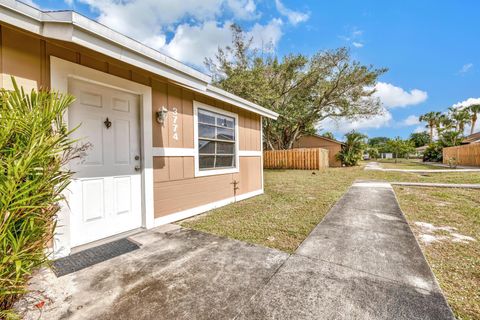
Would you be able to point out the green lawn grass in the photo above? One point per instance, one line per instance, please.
(295, 201)
(455, 264)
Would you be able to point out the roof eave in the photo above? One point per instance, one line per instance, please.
(72, 27)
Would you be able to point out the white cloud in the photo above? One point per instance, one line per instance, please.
(419, 129)
(354, 37)
(466, 68)
(392, 96)
(346, 125)
(194, 43)
(243, 9)
(189, 30)
(410, 121)
(294, 17)
(266, 36)
(466, 103)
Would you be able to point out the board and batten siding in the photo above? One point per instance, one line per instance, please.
(27, 57)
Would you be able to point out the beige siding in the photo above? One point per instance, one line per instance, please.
(175, 193)
(175, 188)
(318, 142)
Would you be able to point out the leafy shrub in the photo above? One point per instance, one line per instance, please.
(352, 151)
(433, 153)
(34, 146)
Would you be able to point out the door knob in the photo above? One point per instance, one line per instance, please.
(137, 168)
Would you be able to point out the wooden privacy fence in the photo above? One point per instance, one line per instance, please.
(304, 158)
(467, 155)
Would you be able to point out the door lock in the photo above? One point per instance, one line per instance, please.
(137, 157)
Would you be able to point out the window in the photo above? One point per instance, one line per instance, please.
(216, 140)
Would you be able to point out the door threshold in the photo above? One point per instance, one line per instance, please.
(97, 243)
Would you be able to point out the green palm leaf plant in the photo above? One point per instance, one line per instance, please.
(433, 121)
(352, 150)
(474, 110)
(35, 146)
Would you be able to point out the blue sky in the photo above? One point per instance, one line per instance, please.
(431, 48)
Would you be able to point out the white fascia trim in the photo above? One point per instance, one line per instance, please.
(212, 172)
(204, 208)
(72, 27)
(173, 152)
(250, 153)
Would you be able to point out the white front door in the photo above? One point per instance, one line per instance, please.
(105, 196)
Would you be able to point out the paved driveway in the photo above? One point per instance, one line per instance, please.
(361, 262)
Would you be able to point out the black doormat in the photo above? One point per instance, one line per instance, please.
(89, 257)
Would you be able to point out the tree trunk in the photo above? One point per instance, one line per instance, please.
(474, 121)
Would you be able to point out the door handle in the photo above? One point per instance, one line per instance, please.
(138, 168)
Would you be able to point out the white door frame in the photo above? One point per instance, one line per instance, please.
(60, 72)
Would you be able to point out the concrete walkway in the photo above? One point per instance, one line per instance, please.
(378, 167)
(438, 185)
(361, 262)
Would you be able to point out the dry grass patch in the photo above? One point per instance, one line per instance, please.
(447, 224)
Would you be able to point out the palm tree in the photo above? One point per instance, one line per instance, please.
(432, 119)
(461, 117)
(352, 150)
(445, 123)
(474, 110)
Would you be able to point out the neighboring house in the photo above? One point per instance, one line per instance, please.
(386, 155)
(420, 151)
(473, 138)
(166, 144)
(316, 141)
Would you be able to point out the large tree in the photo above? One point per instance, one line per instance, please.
(400, 148)
(420, 139)
(303, 90)
(378, 143)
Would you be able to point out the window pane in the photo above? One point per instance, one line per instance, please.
(206, 147)
(206, 131)
(226, 122)
(225, 134)
(206, 162)
(225, 161)
(204, 117)
(225, 148)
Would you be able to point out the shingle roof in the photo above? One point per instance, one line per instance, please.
(472, 138)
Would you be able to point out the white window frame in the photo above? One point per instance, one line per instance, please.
(210, 172)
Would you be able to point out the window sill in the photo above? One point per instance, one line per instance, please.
(214, 172)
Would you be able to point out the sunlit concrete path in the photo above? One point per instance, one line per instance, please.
(377, 166)
(361, 262)
(437, 185)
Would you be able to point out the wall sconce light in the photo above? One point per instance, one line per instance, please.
(161, 114)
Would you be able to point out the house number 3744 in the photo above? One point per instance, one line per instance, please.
(174, 123)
